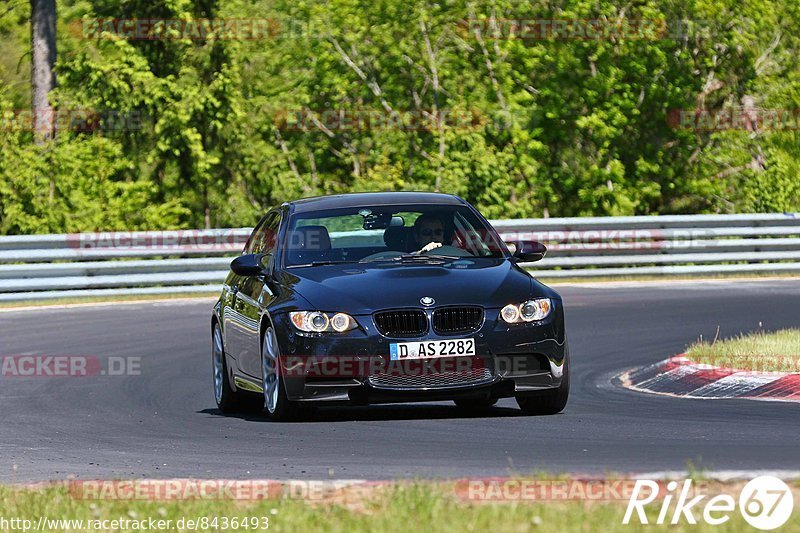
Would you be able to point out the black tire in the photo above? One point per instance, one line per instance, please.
(277, 406)
(475, 404)
(549, 402)
(227, 399)
(288, 410)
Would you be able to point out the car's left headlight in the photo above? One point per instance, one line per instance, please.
(529, 311)
(319, 322)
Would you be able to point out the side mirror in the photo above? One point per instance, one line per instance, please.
(248, 265)
(528, 251)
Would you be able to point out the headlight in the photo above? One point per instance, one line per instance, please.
(319, 322)
(529, 311)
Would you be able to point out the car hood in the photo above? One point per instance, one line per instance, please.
(364, 288)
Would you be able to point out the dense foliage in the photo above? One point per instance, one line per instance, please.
(351, 95)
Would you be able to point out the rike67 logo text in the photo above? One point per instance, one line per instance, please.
(766, 503)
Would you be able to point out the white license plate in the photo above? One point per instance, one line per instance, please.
(399, 351)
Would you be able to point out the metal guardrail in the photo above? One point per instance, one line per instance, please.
(162, 262)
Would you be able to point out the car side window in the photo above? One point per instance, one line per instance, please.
(265, 237)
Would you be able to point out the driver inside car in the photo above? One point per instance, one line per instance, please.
(428, 233)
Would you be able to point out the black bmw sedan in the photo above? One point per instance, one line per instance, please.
(386, 297)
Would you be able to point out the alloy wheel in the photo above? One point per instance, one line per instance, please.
(270, 379)
(217, 353)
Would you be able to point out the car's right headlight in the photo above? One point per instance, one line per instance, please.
(319, 322)
(529, 311)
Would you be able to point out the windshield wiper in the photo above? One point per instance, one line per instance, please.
(377, 259)
(413, 258)
(320, 263)
(445, 257)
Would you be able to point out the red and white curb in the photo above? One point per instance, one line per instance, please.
(681, 377)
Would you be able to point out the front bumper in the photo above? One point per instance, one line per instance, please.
(355, 366)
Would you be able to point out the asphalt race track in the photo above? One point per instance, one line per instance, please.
(163, 423)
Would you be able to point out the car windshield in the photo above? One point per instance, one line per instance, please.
(402, 234)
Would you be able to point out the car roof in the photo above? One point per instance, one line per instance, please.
(336, 201)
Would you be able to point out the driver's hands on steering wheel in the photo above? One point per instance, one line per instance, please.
(427, 248)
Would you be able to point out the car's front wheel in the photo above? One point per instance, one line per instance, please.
(276, 404)
(548, 402)
(228, 400)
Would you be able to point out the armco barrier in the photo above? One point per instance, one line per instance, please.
(196, 261)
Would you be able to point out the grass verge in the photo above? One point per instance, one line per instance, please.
(778, 351)
(413, 506)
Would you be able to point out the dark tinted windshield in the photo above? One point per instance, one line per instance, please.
(384, 233)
